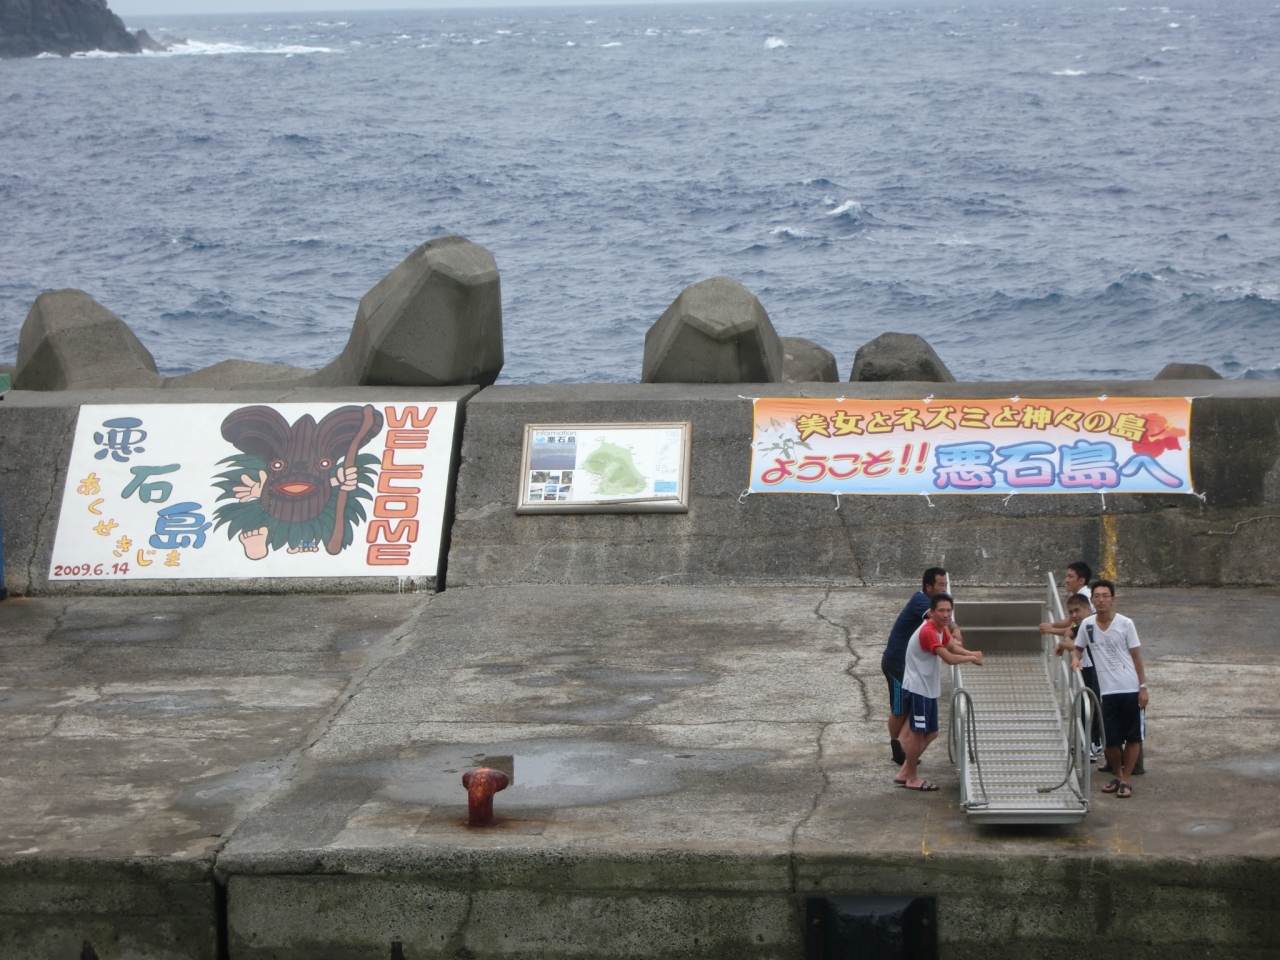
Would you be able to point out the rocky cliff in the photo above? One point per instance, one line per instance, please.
(31, 27)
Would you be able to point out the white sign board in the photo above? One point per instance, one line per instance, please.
(605, 468)
(224, 490)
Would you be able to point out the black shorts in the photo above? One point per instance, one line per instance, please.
(1122, 719)
(896, 705)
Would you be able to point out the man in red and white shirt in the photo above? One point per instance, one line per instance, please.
(922, 685)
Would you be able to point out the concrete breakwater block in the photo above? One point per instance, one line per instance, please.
(715, 331)
(1188, 371)
(435, 320)
(899, 356)
(803, 361)
(233, 373)
(70, 341)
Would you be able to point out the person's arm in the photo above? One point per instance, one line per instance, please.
(1057, 626)
(1142, 677)
(1076, 654)
(956, 636)
(963, 656)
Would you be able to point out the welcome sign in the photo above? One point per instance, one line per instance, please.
(189, 491)
(931, 446)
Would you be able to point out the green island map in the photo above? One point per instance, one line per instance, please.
(616, 470)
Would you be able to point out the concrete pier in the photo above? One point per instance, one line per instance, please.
(252, 777)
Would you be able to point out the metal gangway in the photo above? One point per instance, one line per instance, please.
(1019, 722)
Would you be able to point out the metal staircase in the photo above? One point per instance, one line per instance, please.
(1018, 721)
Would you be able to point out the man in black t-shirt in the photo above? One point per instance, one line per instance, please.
(893, 661)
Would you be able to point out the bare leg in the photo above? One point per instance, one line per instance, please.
(1130, 760)
(1113, 761)
(897, 733)
(914, 745)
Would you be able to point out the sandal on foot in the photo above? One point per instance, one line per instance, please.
(1112, 787)
(1124, 791)
(900, 783)
(925, 785)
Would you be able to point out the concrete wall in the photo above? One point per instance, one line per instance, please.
(781, 539)
(767, 539)
(556, 905)
(36, 432)
(146, 907)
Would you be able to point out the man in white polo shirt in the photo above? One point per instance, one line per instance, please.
(1112, 642)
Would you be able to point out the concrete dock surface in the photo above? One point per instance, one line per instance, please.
(280, 776)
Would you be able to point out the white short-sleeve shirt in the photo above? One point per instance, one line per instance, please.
(1084, 654)
(1110, 651)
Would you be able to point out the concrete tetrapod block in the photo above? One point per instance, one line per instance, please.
(1188, 371)
(715, 331)
(899, 356)
(433, 321)
(235, 373)
(803, 361)
(69, 341)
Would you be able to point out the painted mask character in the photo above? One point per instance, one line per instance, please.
(296, 486)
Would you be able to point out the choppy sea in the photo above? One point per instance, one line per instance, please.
(1039, 189)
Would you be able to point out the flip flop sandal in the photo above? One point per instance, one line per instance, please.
(1124, 791)
(1111, 787)
(900, 783)
(925, 785)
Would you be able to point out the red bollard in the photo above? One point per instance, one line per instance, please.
(481, 785)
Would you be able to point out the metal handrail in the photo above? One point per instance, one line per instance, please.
(1084, 700)
(963, 742)
(1074, 699)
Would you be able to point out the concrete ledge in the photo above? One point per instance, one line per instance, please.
(36, 432)
(553, 906)
(146, 907)
(779, 539)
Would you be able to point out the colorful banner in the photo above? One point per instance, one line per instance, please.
(1093, 445)
(190, 491)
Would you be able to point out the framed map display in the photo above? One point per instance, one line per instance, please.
(605, 468)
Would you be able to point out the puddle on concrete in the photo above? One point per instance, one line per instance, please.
(130, 633)
(360, 639)
(642, 679)
(229, 787)
(1206, 828)
(546, 774)
(1261, 767)
(153, 704)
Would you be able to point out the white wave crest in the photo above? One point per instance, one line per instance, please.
(849, 206)
(795, 233)
(195, 48)
(615, 43)
(1070, 73)
(773, 43)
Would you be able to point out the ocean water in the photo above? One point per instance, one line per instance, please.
(1040, 189)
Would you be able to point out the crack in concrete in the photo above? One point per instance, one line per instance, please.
(387, 648)
(813, 807)
(850, 671)
(853, 556)
(455, 946)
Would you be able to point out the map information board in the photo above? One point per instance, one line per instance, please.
(605, 468)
